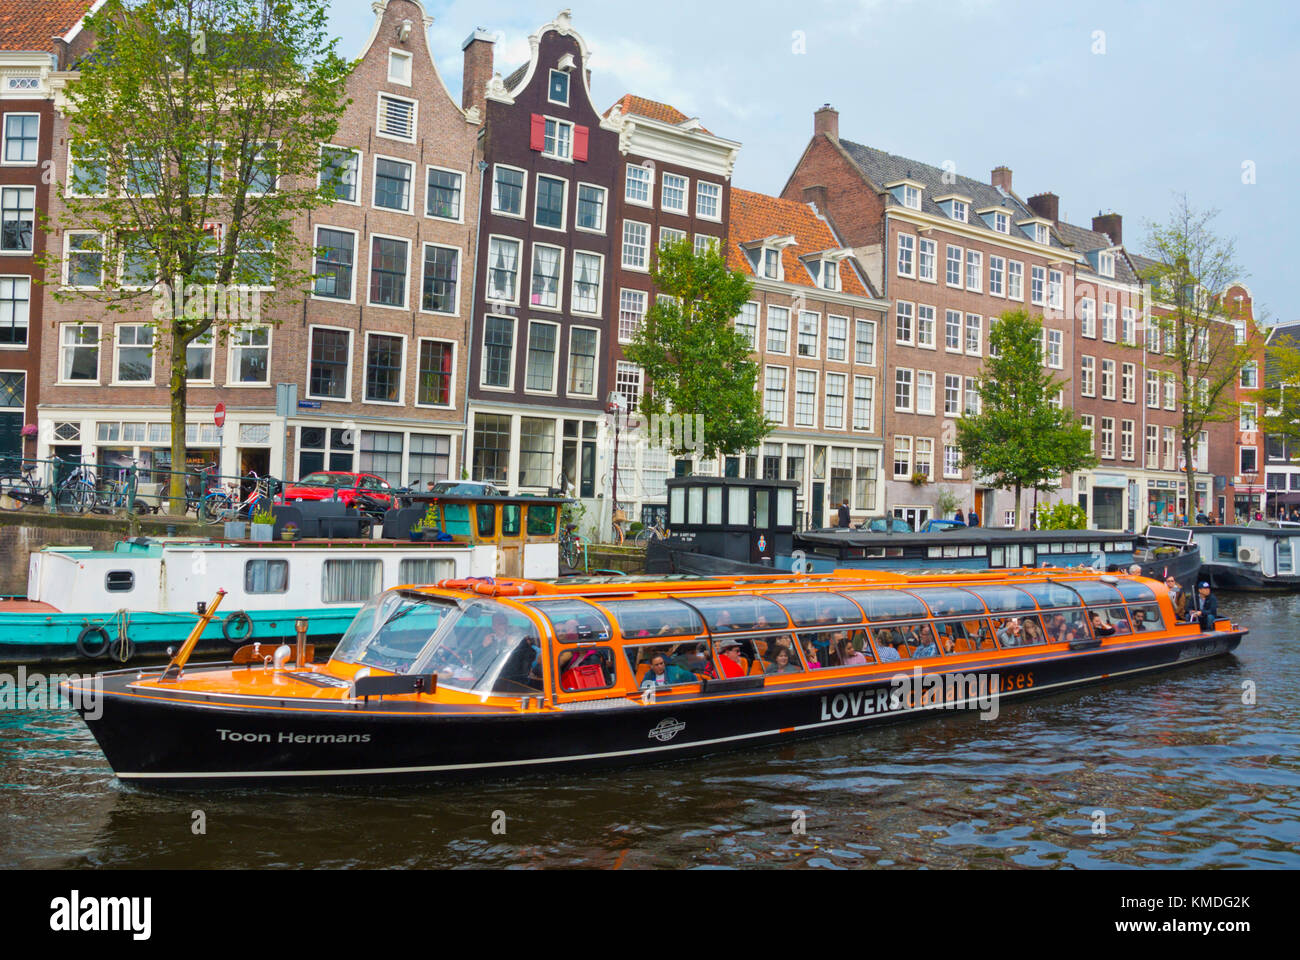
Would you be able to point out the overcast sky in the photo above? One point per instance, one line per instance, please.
(1111, 105)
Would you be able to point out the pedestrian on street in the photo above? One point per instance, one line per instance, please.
(843, 514)
(959, 516)
(972, 519)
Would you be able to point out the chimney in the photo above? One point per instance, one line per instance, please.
(1002, 178)
(1047, 206)
(827, 121)
(816, 195)
(1112, 224)
(477, 49)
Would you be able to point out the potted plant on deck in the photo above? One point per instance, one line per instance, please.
(263, 524)
(290, 531)
(428, 523)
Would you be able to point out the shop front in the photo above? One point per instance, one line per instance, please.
(1107, 501)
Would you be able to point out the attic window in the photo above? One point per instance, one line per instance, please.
(1106, 264)
(559, 89)
(1040, 233)
(1001, 223)
(396, 118)
(912, 197)
(960, 211)
(399, 67)
(771, 263)
(830, 279)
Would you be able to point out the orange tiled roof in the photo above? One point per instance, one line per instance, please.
(756, 216)
(652, 109)
(32, 24)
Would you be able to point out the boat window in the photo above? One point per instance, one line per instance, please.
(1225, 548)
(1095, 593)
(510, 517)
(1070, 547)
(998, 557)
(574, 621)
(947, 602)
(485, 647)
(677, 506)
(785, 508)
(981, 550)
(813, 609)
(485, 518)
(934, 552)
(393, 629)
(906, 639)
(963, 551)
(1124, 546)
(1023, 630)
(682, 663)
(713, 506)
(1132, 591)
(738, 506)
(1054, 548)
(1003, 599)
(425, 570)
(964, 636)
(541, 520)
(654, 618)
(838, 648)
(586, 668)
(886, 604)
(696, 501)
(1285, 561)
(455, 519)
(1114, 617)
(1028, 555)
(119, 581)
(1051, 595)
(351, 581)
(266, 576)
(733, 614)
(761, 519)
(1062, 626)
(1146, 617)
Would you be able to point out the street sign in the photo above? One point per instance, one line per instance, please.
(219, 415)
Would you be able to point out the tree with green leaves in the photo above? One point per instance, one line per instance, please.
(695, 362)
(1020, 439)
(1205, 341)
(196, 128)
(1279, 395)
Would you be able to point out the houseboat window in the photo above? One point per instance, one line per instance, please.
(511, 514)
(738, 506)
(423, 571)
(654, 618)
(1070, 547)
(785, 508)
(696, 499)
(875, 551)
(947, 602)
(1051, 594)
(887, 604)
(1146, 617)
(761, 517)
(963, 551)
(734, 614)
(1285, 564)
(484, 647)
(455, 519)
(981, 550)
(351, 581)
(909, 640)
(119, 581)
(998, 557)
(392, 629)
(814, 609)
(893, 551)
(681, 663)
(713, 506)
(1003, 599)
(586, 668)
(677, 507)
(1054, 548)
(1135, 592)
(266, 576)
(934, 553)
(1225, 548)
(950, 551)
(1095, 594)
(1028, 555)
(541, 520)
(574, 621)
(485, 519)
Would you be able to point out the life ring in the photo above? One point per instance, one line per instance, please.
(505, 589)
(242, 623)
(122, 651)
(457, 584)
(92, 653)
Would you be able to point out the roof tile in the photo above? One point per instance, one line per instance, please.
(631, 105)
(33, 24)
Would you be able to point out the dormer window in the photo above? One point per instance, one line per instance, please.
(559, 88)
(771, 263)
(1106, 264)
(830, 275)
(1001, 223)
(911, 197)
(960, 211)
(1040, 233)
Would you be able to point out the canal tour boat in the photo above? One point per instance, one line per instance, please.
(472, 678)
(723, 526)
(145, 595)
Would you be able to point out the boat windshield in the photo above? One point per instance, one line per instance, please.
(392, 629)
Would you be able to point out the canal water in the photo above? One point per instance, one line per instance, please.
(1196, 767)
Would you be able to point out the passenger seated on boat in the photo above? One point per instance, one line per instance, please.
(1056, 628)
(729, 658)
(885, 647)
(1009, 635)
(523, 668)
(782, 662)
(927, 647)
(1099, 626)
(664, 674)
(1031, 633)
(810, 656)
(849, 655)
(1118, 620)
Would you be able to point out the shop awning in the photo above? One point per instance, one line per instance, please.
(1276, 496)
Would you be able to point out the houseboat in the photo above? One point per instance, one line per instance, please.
(1255, 557)
(145, 595)
(724, 526)
(501, 677)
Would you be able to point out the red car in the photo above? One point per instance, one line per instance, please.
(323, 484)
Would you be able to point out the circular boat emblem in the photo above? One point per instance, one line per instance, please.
(666, 729)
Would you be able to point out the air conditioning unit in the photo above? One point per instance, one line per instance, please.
(1247, 555)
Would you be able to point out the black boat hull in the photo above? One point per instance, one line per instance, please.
(1246, 580)
(177, 742)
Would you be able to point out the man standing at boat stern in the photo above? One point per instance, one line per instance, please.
(1204, 607)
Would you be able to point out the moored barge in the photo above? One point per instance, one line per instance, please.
(494, 678)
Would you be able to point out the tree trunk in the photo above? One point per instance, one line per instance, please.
(1190, 471)
(1016, 520)
(176, 487)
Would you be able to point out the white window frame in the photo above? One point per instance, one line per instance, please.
(767, 330)
(460, 266)
(1128, 382)
(684, 209)
(1109, 321)
(931, 275)
(408, 58)
(828, 408)
(1019, 274)
(916, 392)
(906, 441)
(858, 323)
(961, 266)
(604, 208)
(910, 381)
(401, 380)
(519, 268)
(595, 371)
(645, 267)
(232, 346)
(1087, 376)
(415, 116)
(360, 156)
(370, 266)
(1055, 349)
(1038, 275)
(70, 169)
(35, 221)
(564, 203)
(600, 284)
(906, 244)
(374, 184)
(948, 315)
(415, 368)
(64, 347)
(347, 397)
(871, 404)
(514, 353)
(559, 122)
(979, 335)
(785, 391)
(4, 134)
(464, 194)
(649, 200)
(117, 348)
(1108, 378)
(910, 339)
(926, 343)
(816, 387)
(568, 87)
(67, 258)
(555, 360)
(559, 280)
(975, 269)
(523, 192)
(716, 218)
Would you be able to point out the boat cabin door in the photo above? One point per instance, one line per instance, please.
(510, 541)
(762, 539)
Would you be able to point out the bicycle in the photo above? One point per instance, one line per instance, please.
(572, 549)
(652, 531)
(75, 493)
(219, 506)
(618, 521)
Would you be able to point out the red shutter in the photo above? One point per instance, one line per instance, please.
(537, 140)
(580, 135)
